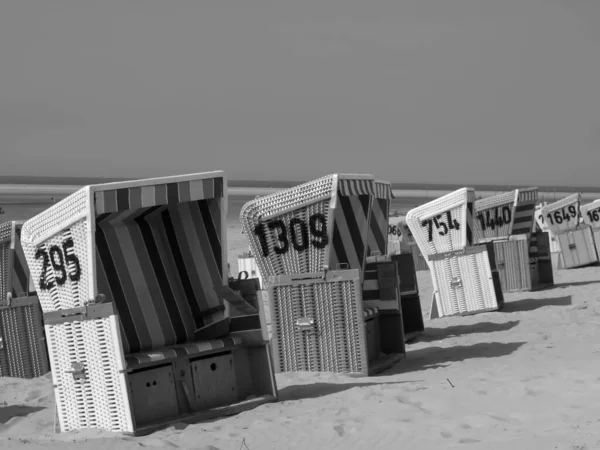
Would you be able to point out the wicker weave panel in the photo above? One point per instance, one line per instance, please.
(337, 343)
(490, 214)
(100, 400)
(463, 284)
(558, 211)
(71, 294)
(457, 205)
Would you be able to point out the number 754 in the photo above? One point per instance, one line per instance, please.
(442, 226)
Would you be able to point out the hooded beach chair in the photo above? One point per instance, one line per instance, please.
(299, 236)
(574, 238)
(132, 280)
(465, 278)
(23, 352)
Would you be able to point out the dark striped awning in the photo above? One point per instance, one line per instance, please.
(524, 217)
(350, 187)
(128, 198)
(383, 189)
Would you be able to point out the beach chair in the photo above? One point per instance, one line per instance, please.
(465, 278)
(507, 220)
(320, 324)
(23, 352)
(575, 239)
(132, 280)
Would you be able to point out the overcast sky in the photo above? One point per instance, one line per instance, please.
(480, 91)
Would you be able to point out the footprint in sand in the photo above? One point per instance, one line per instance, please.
(339, 430)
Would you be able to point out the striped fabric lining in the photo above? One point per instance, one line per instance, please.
(469, 223)
(524, 219)
(178, 351)
(159, 266)
(21, 280)
(378, 227)
(13, 266)
(159, 194)
(349, 187)
(370, 312)
(350, 231)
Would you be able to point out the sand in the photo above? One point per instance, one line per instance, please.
(526, 378)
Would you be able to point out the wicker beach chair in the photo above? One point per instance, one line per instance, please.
(132, 280)
(23, 352)
(465, 278)
(320, 324)
(575, 239)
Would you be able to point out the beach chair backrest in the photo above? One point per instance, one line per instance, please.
(154, 248)
(444, 224)
(320, 224)
(493, 216)
(562, 215)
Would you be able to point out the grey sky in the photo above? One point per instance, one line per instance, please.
(480, 91)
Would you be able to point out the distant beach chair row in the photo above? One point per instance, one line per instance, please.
(123, 291)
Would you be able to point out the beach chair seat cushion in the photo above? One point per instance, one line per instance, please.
(188, 349)
(369, 313)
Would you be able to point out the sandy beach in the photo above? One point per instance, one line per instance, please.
(525, 377)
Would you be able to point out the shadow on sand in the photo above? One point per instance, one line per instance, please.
(437, 334)
(530, 304)
(306, 391)
(8, 412)
(434, 357)
(571, 284)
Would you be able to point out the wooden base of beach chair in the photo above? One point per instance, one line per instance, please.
(23, 352)
(465, 282)
(577, 248)
(319, 325)
(198, 389)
